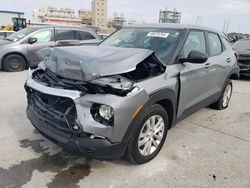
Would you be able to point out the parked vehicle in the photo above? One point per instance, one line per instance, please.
(19, 23)
(242, 48)
(121, 97)
(18, 51)
(16, 24)
(4, 34)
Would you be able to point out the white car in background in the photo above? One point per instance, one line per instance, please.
(4, 34)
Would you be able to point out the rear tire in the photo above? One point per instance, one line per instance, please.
(224, 99)
(144, 131)
(14, 63)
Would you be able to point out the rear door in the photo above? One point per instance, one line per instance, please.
(220, 61)
(45, 39)
(194, 78)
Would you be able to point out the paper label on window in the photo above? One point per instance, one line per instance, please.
(158, 34)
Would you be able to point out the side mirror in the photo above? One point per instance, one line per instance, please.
(194, 57)
(32, 40)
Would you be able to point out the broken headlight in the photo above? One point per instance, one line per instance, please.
(116, 82)
(103, 114)
(107, 112)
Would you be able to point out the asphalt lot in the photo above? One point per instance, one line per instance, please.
(209, 149)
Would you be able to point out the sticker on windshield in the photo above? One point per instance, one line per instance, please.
(158, 34)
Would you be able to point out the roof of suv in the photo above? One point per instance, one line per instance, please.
(61, 27)
(174, 26)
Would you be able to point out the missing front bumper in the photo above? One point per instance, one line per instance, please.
(76, 143)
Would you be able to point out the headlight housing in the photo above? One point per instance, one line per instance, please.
(107, 112)
(103, 114)
(116, 82)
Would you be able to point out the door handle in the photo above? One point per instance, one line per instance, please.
(228, 60)
(207, 65)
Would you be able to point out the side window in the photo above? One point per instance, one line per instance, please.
(44, 36)
(214, 44)
(83, 35)
(66, 35)
(2, 35)
(195, 41)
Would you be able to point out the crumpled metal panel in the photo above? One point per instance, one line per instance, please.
(87, 63)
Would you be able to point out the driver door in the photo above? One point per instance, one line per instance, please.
(193, 77)
(45, 39)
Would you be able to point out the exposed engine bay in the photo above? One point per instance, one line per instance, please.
(58, 72)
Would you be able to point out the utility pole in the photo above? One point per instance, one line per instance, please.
(224, 26)
(197, 20)
(227, 26)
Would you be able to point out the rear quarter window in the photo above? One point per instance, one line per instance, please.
(215, 44)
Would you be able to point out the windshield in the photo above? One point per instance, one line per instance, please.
(20, 34)
(161, 41)
(242, 45)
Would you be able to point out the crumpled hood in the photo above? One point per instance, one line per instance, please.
(3, 42)
(86, 63)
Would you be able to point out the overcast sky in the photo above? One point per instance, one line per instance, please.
(212, 13)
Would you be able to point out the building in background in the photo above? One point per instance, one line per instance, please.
(6, 17)
(168, 16)
(86, 16)
(100, 13)
(134, 21)
(54, 15)
(118, 21)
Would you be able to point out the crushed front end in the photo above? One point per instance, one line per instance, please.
(85, 98)
(68, 113)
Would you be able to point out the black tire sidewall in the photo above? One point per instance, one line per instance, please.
(133, 144)
(229, 82)
(7, 60)
(219, 105)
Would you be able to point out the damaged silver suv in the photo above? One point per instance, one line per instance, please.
(120, 98)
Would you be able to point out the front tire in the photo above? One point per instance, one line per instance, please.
(149, 135)
(224, 99)
(14, 63)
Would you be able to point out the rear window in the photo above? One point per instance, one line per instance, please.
(83, 35)
(66, 35)
(214, 44)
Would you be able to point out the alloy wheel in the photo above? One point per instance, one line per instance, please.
(151, 135)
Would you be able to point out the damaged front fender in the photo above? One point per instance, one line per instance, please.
(124, 108)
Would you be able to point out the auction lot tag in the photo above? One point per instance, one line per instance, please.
(158, 34)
